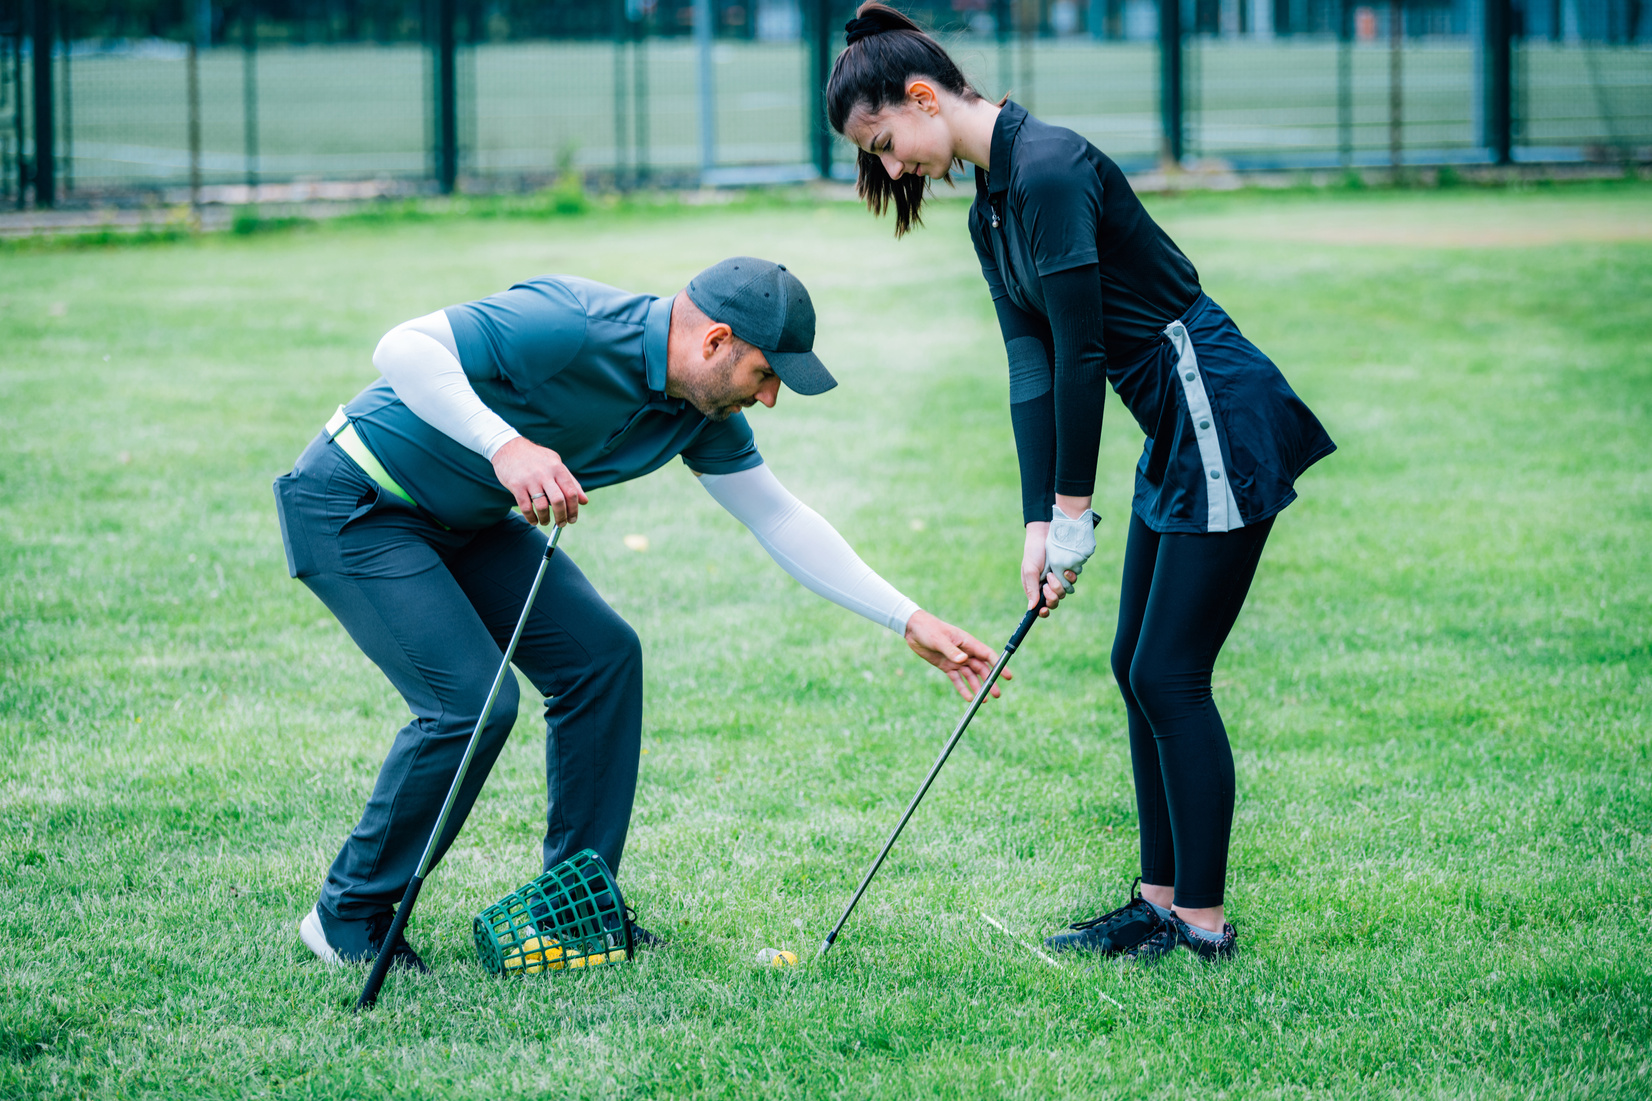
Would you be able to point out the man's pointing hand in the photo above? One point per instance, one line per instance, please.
(952, 650)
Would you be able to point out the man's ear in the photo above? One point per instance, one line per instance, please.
(717, 335)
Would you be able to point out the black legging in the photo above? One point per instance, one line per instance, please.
(1181, 596)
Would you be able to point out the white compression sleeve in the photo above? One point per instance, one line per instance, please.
(807, 547)
(419, 359)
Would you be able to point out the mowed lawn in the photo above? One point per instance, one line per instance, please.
(1439, 694)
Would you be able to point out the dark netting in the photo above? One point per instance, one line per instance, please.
(211, 100)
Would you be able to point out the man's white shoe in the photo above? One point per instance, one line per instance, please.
(310, 932)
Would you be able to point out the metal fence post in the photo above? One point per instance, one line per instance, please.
(1499, 81)
(1001, 31)
(703, 30)
(202, 29)
(7, 103)
(18, 109)
(622, 31)
(820, 69)
(1396, 88)
(45, 178)
(1170, 79)
(1345, 83)
(639, 99)
(249, 88)
(68, 107)
(1027, 27)
(447, 97)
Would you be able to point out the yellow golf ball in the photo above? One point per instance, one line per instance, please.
(537, 953)
(777, 957)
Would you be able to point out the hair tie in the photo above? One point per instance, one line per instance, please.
(860, 27)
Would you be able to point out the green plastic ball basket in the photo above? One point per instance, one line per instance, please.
(571, 917)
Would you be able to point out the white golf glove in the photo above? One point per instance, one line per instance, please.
(1070, 543)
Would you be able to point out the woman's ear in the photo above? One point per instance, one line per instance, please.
(921, 94)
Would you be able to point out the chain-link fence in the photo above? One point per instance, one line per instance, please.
(145, 93)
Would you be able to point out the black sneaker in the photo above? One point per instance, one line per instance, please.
(402, 956)
(1176, 933)
(1113, 932)
(640, 937)
(1206, 948)
(355, 942)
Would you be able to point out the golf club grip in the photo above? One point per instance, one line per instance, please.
(1027, 621)
(381, 962)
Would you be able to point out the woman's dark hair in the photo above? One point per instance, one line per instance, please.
(884, 50)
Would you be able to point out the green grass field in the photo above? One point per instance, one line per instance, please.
(1440, 693)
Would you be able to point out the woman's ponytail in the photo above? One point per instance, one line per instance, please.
(875, 18)
(883, 50)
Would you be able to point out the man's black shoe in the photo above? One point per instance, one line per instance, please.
(1177, 933)
(402, 956)
(1113, 932)
(337, 942)
(640, 937)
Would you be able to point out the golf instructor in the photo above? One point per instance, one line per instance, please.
(399, 516)
(1089, 291)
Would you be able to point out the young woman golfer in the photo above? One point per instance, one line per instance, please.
(1090, 291)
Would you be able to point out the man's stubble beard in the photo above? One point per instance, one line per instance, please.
(715, 396)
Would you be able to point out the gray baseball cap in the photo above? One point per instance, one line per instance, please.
(768, 308)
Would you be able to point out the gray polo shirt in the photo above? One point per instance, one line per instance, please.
(574, 366)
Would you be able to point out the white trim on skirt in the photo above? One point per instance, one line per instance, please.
(1223, 509)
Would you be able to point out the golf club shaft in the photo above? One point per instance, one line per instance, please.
(487, 708)
(381, 963)
(946, 751)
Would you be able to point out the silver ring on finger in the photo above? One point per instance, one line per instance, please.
(538, 496)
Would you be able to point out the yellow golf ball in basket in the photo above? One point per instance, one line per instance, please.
(538, 953)
(597, 959)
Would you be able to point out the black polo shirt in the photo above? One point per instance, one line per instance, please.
(1090, 291)
(1053, 202)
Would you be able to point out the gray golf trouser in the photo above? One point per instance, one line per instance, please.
(434, 609)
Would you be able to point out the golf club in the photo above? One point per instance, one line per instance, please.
(946, 751)
(381, 963)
